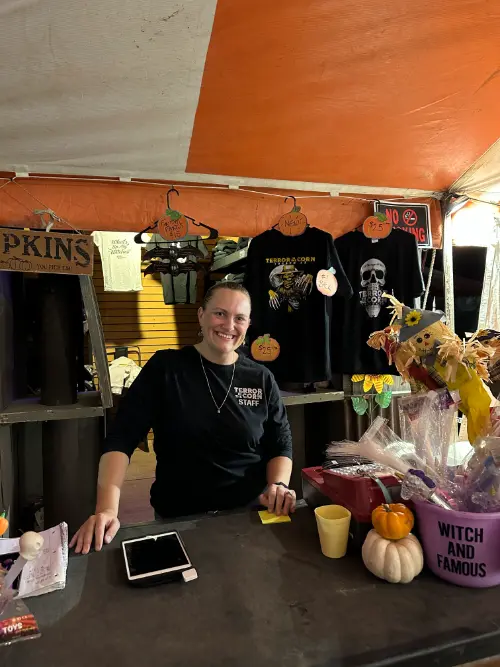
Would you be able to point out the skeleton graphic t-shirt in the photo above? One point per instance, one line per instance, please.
(391, 266)
(286, 304)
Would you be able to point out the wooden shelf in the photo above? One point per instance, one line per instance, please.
(322, 396)
(31, 410)
(229, 260)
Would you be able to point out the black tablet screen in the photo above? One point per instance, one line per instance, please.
(154, 555)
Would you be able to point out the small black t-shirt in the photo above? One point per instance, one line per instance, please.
(390, 265)
(205, 461)
(286, 304)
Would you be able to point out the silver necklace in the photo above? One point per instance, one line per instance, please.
(219, 407)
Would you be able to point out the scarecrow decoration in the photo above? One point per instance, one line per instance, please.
(428, 355)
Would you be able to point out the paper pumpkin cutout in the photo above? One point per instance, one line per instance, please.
(293, 223)
(173, 225)
(326, 282)
(377, 226)
(265, 348)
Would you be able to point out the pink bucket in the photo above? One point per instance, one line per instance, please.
(460, 547)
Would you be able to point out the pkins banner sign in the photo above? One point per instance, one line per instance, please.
(44, 252)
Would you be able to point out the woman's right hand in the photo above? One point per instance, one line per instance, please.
(100, 527)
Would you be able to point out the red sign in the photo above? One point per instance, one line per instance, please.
(412, 218)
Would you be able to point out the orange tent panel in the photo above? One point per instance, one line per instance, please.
(387, 93)
(113, 206)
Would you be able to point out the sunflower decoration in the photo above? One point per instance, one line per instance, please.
(373, 390)
(413, 318)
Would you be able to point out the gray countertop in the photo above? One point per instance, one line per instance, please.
(265, 597)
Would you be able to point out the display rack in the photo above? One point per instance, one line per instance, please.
(229, 260)
(321, 396)
(64, 439)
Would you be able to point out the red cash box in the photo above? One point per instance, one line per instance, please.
(360, 495)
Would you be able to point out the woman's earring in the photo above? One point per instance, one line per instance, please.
(200, 333)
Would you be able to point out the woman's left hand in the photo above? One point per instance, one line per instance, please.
(278, 499)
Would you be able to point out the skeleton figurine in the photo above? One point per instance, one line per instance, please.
(372, 275)
(289, 285)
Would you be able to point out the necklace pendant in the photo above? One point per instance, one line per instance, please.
(218, 411)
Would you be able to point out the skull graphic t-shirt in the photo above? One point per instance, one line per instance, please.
(287, 305)
(390, 265)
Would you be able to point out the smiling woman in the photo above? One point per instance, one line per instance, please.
(224, 318)
(221, 434)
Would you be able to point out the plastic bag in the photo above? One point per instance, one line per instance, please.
(17, 623)
(427, 420)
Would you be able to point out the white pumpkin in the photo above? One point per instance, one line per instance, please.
(396, 561)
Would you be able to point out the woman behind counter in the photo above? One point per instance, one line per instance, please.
(221, 434)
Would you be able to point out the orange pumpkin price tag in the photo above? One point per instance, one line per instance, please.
(293, 223)
(265, 348)
(326, 282)
(172, 226)
(377, 226)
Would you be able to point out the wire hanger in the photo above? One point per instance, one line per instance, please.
(213, 233)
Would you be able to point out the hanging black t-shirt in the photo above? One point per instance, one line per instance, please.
(204, 460)
(390, 265)
(286, 304)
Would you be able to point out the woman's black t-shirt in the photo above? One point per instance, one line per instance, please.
(205, 460)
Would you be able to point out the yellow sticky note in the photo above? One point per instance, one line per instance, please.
(266, 517)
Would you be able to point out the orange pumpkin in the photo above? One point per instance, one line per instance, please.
(4, 524)
(265, 348)
(377, 226)
(293, 223)
(394, 522)
(173, 225)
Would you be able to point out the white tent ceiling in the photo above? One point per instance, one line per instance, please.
(100, 87)
(113, 89)
(482, 179)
